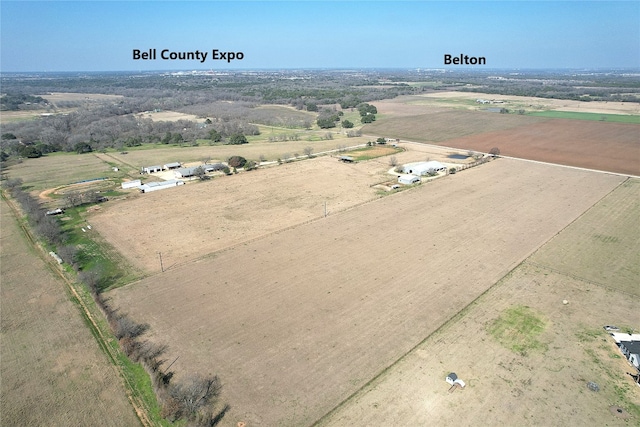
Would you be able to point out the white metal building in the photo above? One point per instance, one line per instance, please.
(408, 179)
(152, 169)
(423, 168)
(174, 165)
(131, 184)
(162, 185)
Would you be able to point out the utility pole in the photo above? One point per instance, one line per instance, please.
(161, 266)
(325, 209)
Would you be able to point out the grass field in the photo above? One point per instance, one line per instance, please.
(299, 320)
(59, 169)
(615, 118)
(603, 247)
(547, 386)
(53, 372)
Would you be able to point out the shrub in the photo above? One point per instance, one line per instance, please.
(236, 161)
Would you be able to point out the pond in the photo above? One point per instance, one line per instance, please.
(457, 156)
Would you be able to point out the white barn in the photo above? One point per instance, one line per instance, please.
(162, 185)
(152, 169)
(131, 184)
(174, 165)
(423, 168)
(408, 179)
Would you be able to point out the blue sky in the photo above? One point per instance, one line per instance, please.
(101, 36)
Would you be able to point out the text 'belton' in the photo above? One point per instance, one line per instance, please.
(464, 60)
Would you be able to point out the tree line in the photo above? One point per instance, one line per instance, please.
(193, 398)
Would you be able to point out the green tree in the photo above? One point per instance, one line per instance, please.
(347, 124)
(326, 122)
(366, 109)
(312, 107)
(177, 138)
(237, 139)
(369, 118)
(215, 136)
(82, 147)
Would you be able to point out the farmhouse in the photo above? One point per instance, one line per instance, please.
(174, 165)
(423, 168)
(152, 169)
(408, 179)
(162, 185)
(629, 345)
(214, 167)
(131, 184)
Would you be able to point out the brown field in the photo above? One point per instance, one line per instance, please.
(613, 147)
(603, 247)
(542, 388)
(204, 217)
(296, 322)
(529, 103)
(452, 119)
(200, 218)
(169, 116)
(444, 125)
(546, 387)
(70, 96)
(252, 151)
(53, 372)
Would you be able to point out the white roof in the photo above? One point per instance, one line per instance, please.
(418, 168)
(621, 336)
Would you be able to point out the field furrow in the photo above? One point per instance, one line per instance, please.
(297, 321)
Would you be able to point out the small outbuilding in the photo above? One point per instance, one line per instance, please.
(152, 169)
(131, 184)
(162, 185)
(174, 165)
(346, 159)
(451, 378)
(408, 179)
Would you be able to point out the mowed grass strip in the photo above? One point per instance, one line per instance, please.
(602, 246)
(518, 329)
(616, 118)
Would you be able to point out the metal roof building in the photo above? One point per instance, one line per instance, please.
(423, 168)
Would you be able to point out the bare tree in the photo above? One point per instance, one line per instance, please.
(200, 173)
(195, 396)
(308, 151)
(393, 161)
(495, 151)
(73, 198)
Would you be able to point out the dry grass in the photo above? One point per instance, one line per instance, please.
(604, 245)
(59, 169)
(53, 372)
(504, 387)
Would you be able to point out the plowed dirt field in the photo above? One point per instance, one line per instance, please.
(296, 322)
